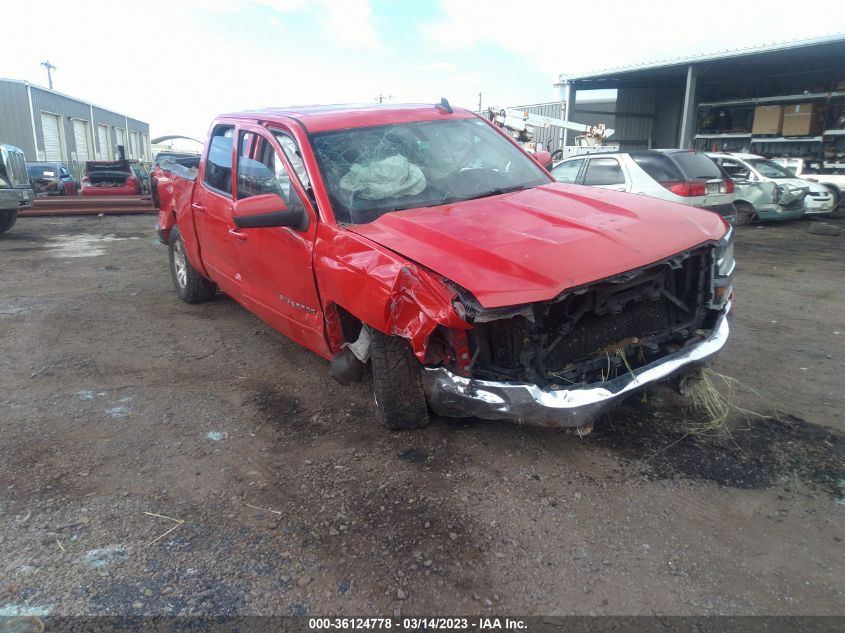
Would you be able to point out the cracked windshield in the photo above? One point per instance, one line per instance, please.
(376, 170)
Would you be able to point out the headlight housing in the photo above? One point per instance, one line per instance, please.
(723, 270)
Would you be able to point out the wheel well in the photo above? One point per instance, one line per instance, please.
(350, 325)
(832, 187)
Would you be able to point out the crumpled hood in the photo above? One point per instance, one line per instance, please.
(532, 245)
(800, 182)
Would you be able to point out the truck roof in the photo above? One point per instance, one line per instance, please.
(323, 118)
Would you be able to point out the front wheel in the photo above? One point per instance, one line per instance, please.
(8, 219)
(397, 383)
(191, 287)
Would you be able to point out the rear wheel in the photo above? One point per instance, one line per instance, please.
(744, 213)
(397, 384)
(191, 287)
(8, 219)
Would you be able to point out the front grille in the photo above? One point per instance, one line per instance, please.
(594, 333)
(577, 337)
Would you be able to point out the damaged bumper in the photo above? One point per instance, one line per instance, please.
(454, 396)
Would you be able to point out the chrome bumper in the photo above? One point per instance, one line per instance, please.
(454, 396)
(11, 199)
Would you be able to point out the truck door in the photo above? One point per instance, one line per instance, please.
(605, 172)
(275, 264)
(212, 211)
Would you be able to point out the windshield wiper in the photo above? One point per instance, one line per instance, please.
(494, 192)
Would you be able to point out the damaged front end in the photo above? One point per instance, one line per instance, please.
(563, 362)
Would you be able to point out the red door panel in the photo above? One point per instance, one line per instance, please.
(275, 264)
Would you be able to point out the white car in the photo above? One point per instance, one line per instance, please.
(685, 176)
(816, 171)
(740, 166)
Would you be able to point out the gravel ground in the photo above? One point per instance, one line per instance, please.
(160, 458)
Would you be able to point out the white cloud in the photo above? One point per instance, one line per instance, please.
(348, 23)
(562, 37)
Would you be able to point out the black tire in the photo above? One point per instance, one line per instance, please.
(397, 384)
(190, 286)
(744, 213)
(8, 219)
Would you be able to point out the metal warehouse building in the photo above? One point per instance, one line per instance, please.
(712, 101)
(48, 125)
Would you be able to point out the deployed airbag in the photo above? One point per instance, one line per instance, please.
(391, 177)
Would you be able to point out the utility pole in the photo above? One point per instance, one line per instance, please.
(49, 68)
(380, 98)
(479, 102)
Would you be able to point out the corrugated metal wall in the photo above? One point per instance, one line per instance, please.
(113, 120)
(15, 126)
(597, 111)
(635, 116)
(668, 107)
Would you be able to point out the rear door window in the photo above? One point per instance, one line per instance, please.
(604, 171)
(568, 170)
(218, 163)
(697, 166)
(658, 166)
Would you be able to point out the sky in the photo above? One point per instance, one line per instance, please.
(178, 63)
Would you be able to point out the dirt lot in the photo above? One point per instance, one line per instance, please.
(162, 458)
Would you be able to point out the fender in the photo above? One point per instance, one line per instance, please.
(381, 289)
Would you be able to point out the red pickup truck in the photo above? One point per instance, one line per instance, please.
(421, 241)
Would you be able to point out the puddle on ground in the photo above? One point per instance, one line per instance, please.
(84, 245)
(756, 453)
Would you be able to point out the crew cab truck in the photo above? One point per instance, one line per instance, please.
(15, 189)
(421, 241)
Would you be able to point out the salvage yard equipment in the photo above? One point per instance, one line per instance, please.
(520, 125)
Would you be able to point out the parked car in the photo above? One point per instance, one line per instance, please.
(157, 174)
(110, 178)
(15, 190)
(817, 199)
(51, 179)
(832, 179)
(423, 241)
(685, 176)
(765, 191)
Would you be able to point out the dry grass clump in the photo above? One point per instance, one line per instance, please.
(718, 404)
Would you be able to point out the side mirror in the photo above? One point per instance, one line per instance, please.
(265, 211)
(544, 158)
